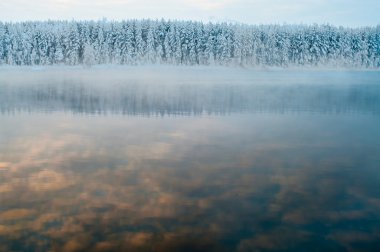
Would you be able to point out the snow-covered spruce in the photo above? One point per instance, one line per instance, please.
(187, 43)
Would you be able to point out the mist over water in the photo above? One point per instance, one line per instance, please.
(162, 159)
(164, 91)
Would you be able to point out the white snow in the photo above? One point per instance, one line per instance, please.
(146, 42)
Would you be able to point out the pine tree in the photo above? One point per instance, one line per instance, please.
(178, 42)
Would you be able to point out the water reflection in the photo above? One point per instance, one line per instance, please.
(188, 99)
(243, 183)
(273, 181)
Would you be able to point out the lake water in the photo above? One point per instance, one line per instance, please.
(189, 160)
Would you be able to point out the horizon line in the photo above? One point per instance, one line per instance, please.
(229, 22)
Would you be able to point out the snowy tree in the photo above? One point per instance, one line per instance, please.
(182, 42)
(89, 55)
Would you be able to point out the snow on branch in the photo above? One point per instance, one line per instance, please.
(134, 42)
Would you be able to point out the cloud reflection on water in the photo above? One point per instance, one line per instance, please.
(293, 165)
(242, 183)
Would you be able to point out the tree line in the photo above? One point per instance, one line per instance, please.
(138, 42)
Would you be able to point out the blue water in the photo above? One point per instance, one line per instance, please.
(276, 162)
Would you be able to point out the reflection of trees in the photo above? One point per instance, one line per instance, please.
(188, 99)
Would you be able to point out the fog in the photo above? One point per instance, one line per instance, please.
(198, 91)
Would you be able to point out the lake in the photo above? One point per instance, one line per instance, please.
(189, 159)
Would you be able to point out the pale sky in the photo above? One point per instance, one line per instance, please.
(338, 12)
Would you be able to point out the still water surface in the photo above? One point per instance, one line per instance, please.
(278, 162)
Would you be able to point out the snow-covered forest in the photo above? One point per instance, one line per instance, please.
(137, 42)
